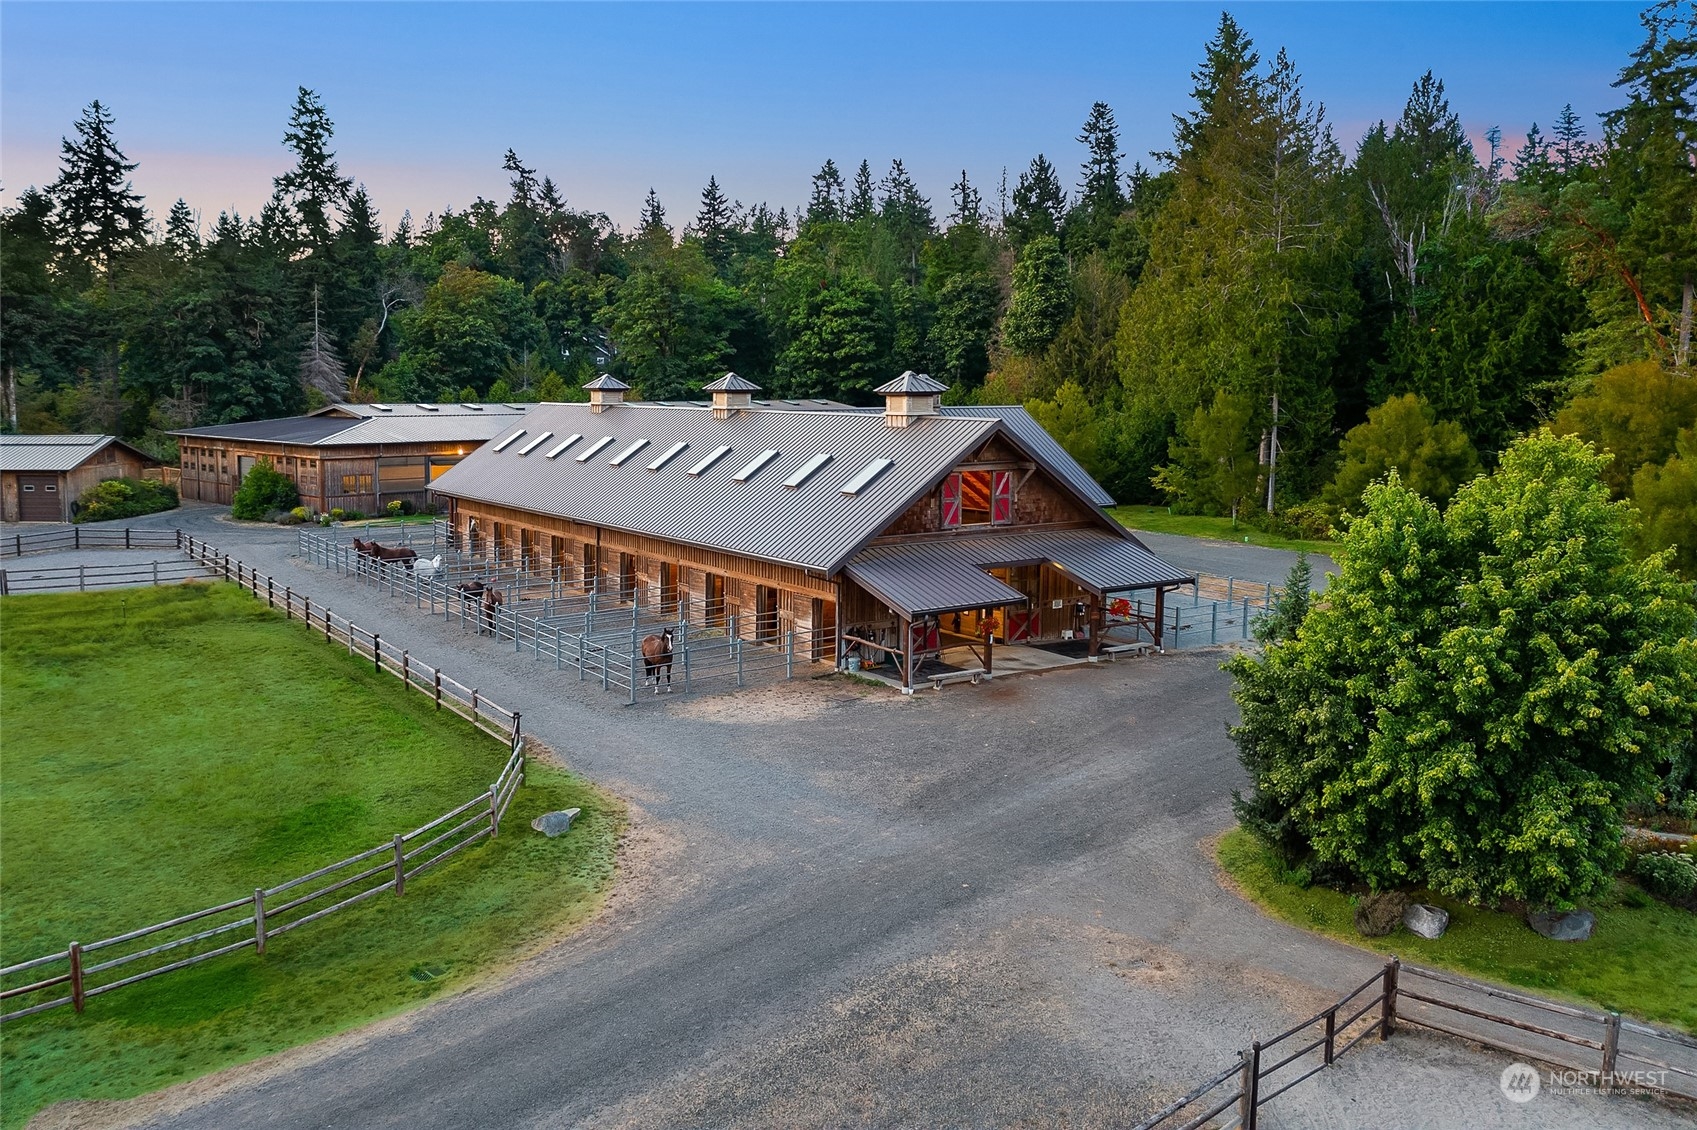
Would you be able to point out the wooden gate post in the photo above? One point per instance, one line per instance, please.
(76, 976)
(259, 920)
(1246, 1090)
(1611, 1051)
(1387, 1013)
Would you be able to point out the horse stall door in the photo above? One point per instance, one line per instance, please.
(627, 576)
(668, 588)
(765, 613)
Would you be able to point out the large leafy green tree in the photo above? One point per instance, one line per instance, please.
(1480, 694)
(1634, 412)
(1214, 466)
(1431, 456)
(1042, 297)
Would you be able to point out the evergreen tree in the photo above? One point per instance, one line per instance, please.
(652, 225)
(98, 215)
(862, 204)
(1042, 297)
(828, 202)
(315, 188)
(967, 204)
(1567, 146)
(1039, 203)
(1101, 196)
(182, 232)
(320, 370)
(714, 224)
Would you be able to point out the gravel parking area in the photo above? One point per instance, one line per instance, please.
(840, 906)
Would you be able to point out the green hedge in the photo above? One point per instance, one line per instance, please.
(123, 498)
(265, 491)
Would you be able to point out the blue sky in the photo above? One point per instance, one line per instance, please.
(612, 98)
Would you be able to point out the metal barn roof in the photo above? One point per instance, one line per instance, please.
(54, 453)
(365, 425)
(947, 573)
(813, 524)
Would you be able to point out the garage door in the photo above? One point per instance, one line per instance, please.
(38, 498)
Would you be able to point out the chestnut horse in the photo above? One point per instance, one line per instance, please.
(657, 653)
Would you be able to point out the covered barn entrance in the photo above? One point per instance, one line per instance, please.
(39, 498)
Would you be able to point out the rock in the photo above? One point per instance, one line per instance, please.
(1559, 926)
(553, 824)
(1378, 914)
(1425, 920)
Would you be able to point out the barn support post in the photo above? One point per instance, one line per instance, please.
(259, 920)
(907, 655)
(1097, 622)
(1160, 610)
(76, 976)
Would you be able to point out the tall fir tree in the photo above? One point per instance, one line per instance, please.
(97, 213)
(1039, 203)
(714, 226)
(829, 200)
(1101, 195)
(315, 188)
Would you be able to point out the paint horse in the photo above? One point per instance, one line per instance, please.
(657, 653)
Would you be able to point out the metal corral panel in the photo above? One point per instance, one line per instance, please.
(813, 525)
(935, 576)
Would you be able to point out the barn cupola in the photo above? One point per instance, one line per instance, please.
(731, 394)
(605, 391)
(909, 397)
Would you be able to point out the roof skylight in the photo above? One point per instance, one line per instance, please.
(667, 456)
(806, 470)
(502, 446)
(713, 457)
(620, 459)
(535, 443)
(562, 445)
(754, 465)
(864, 479)
(588, 453)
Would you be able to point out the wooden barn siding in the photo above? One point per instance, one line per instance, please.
(320, 486)
(1041, 501)
(796, 587)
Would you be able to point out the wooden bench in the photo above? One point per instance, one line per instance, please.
(1113, 651)
(944, 678)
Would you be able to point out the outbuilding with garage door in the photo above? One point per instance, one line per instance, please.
(41, 477)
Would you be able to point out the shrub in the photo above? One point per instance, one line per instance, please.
(123, 498)
(298, 515)
(337, 514)
(1667, 874)
(264, 490)
(394, 508)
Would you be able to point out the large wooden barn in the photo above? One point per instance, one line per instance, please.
(343, 456)
(41, 477)
(901, 530)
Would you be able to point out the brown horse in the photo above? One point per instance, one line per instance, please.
(392, 555)
(492, 600)
(657, 653)
(487, 598)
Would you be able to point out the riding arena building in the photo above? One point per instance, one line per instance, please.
(879, 537)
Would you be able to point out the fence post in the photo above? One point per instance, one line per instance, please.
(326, 625)
(406, 674)
(3, 591)
(474, 706)
(736, 643)
(1246, 617)
(78, 533)
(1331, 1034)
(81, 572)
(683, 642)
(259, 920)
(76, 976)
(1254, 1085)
(1229, 582)
(438, 690)
(270, 593)
(1214, 624)
(635, 653)
(789, 659)
(494, 813)
(1387, 1013)
(288, 603)
(400, 866)
(376, 653)
(1245, 1090)
(351, 627)
(1611, 1051)
(126, 537)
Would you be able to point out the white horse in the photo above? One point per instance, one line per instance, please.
(427, 569)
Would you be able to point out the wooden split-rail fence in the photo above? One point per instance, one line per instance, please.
(1629, 1054)
(83, 970)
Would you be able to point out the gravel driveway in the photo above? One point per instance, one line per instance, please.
(986, 907)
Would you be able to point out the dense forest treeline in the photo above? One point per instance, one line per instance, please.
(1264, 294)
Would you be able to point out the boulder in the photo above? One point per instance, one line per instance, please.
(553, 824)
(1426, 920)
(1377, 914)
(1560, 926)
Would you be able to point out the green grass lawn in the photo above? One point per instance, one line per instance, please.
(1157, 520)
(167, 749)
(1642, 959)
